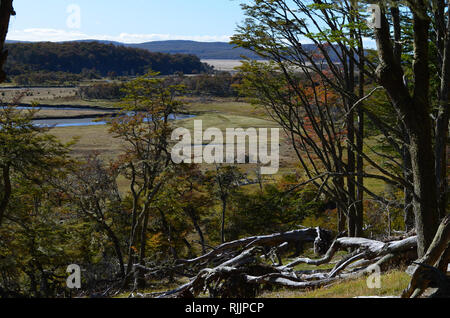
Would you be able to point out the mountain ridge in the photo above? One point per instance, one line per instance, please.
(204, 50)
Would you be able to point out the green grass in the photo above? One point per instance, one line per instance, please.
(392, 284)
(225, 106)
(218, 113)
(60, 113)
(224, 121)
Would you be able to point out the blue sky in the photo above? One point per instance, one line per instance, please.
(132, 21)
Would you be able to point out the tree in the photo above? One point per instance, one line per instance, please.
(186, 193)
(275, 30)
(6, 11)
(26, 151)
(146, 132)
(224, 182)
(334, 64)
(92, 191)
(279, 207)
(415, 109)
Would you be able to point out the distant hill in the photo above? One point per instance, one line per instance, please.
(204, 50)
(210, 50)
(102, 58)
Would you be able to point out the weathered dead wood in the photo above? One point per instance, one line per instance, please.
(305, 281)
(343, 265)
(303, 235)
(422, 275)
(368, 249)
(288, 282)
(197, 285)
(243, 275)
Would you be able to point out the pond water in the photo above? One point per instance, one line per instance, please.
(85, 121)
(76, 122)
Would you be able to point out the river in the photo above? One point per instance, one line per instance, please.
(85, 120)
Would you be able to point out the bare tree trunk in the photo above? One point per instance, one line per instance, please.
(415, 111)
(168, 231)
(117, 249)
(143, 242)
(425, 205)
(408, 194)
(341, 220)
(419, 122)
(442, 119)
(6, 192)
(6, 11)
(351, 177)
(360, 146)
(197, 227)
(341, 213)
(406, 157)
(351, 133)
(133, 230)
(359, 222)
(140, 280)
(224, 210)
(130, 248)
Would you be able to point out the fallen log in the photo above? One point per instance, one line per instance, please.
(316, 235)
(244, 274)
(207, 275)
(367, 249)
(241, 268)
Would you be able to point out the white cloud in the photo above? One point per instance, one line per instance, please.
(58, 35)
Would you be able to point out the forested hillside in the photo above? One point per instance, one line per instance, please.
(204, 50)
(104, 59)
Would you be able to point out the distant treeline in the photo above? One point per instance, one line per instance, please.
(221, 84)
(218, 85)
(53, 61)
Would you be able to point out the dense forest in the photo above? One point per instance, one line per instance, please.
(85, 58)
(221, 84)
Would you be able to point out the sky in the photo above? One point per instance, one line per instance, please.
(132, 21)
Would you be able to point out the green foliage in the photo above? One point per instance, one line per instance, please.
(275, 208)
(31, 78)
(87, 59)
(32, 240)
(182, 207)
(221, 84)
(102, 91)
